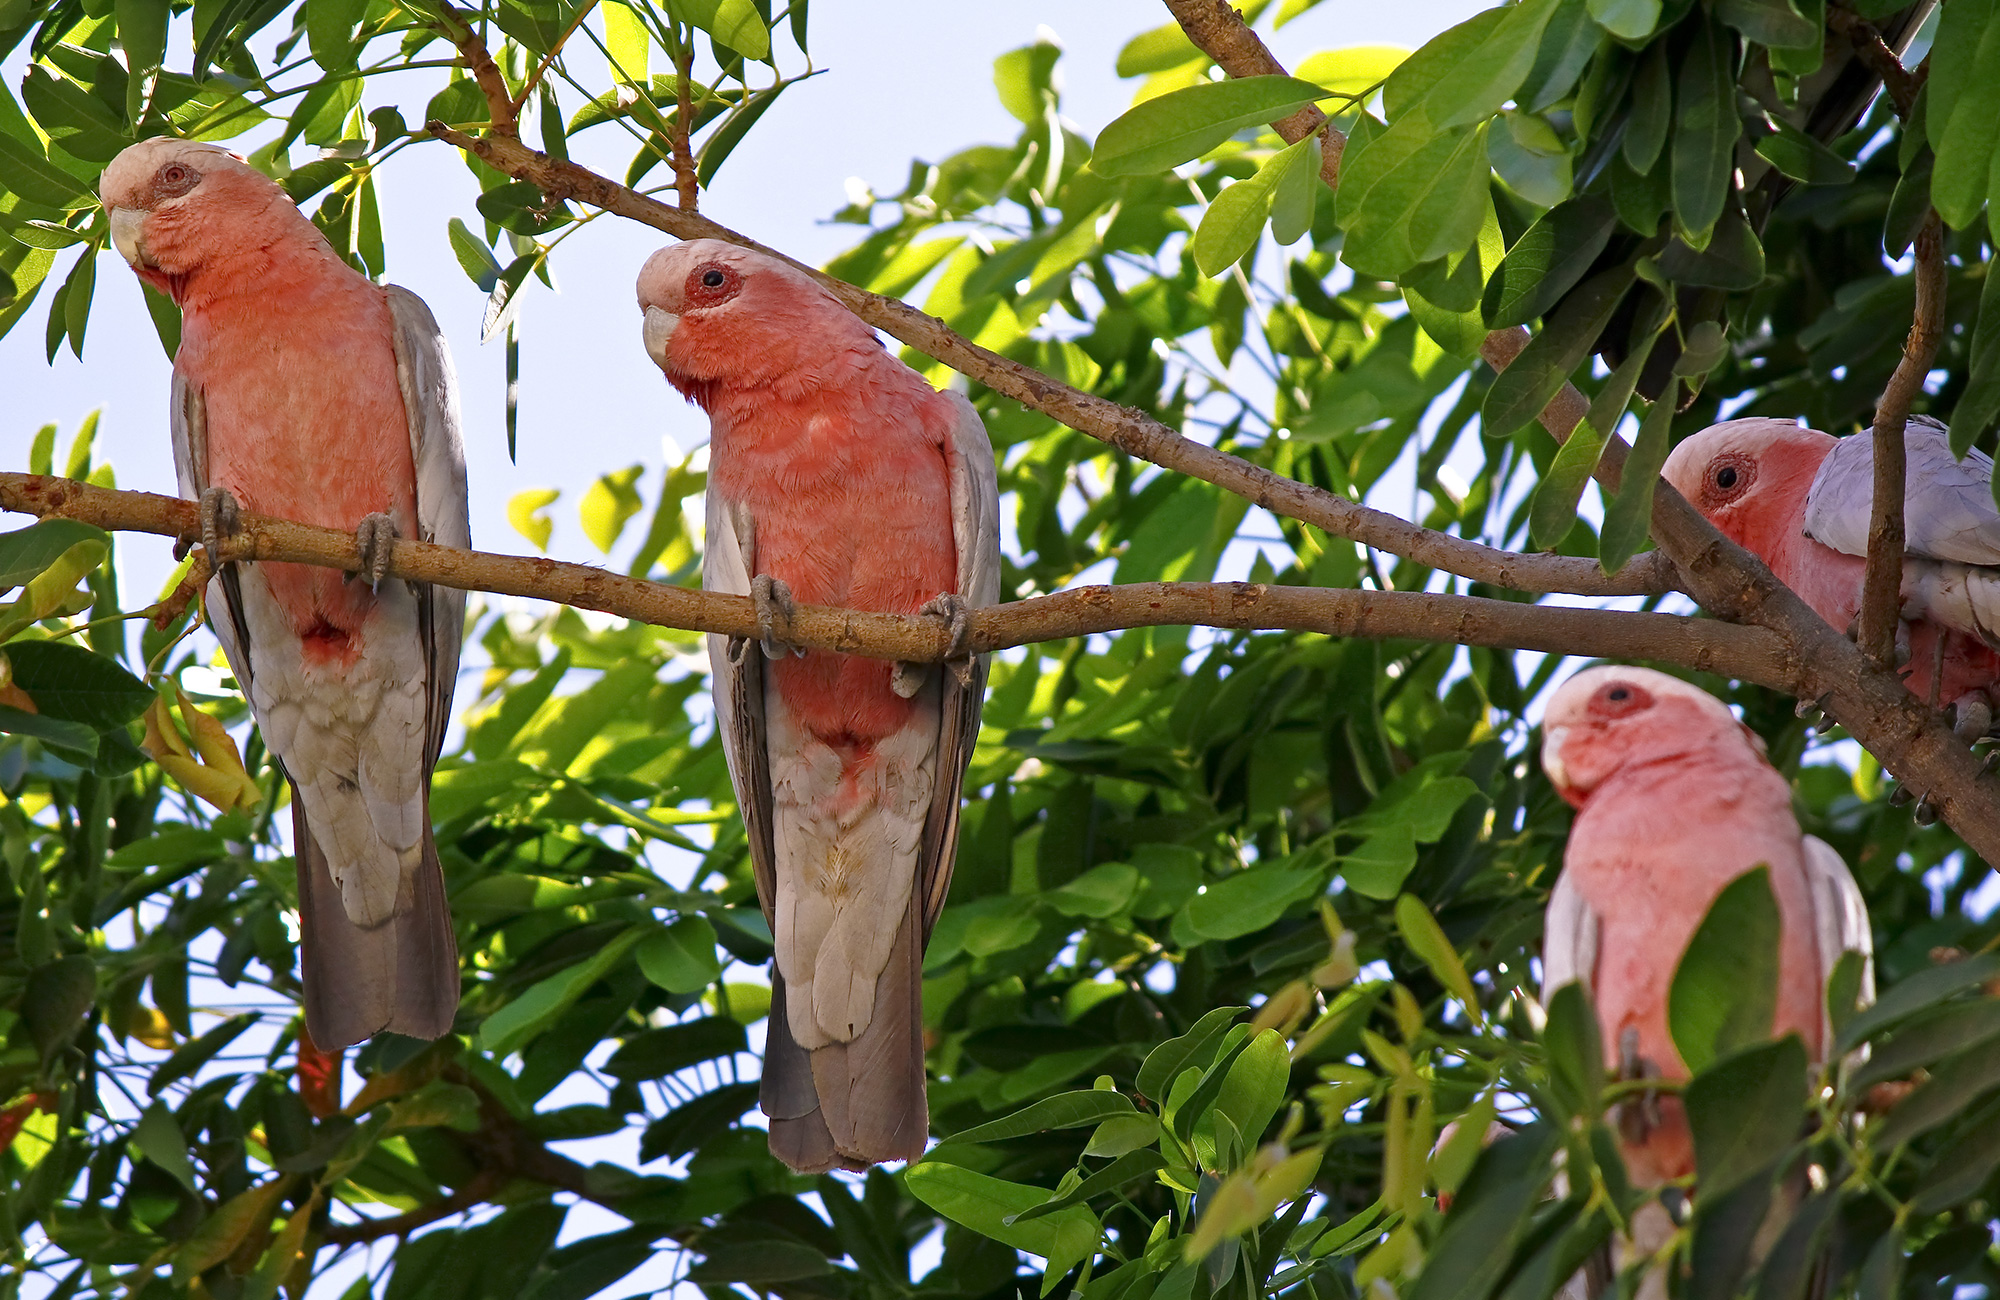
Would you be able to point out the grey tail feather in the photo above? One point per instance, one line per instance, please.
(851, 1105)
(871, 1089)
(401, 976)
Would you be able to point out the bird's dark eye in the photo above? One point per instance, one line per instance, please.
(174, 180)
(1619, 693)
(1725, 478)
(712, 277)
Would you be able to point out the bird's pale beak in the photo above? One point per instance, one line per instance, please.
(1552, 762)
(660, 325)
(128, 236)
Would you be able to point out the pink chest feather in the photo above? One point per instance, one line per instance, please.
(851, 499)
(305, 421)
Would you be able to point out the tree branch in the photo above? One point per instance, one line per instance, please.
(1908, 739)
(1748, 653)
(478, 1189)
(1118, 426)
(457, 26)
(1218, 31)
(1866, 38)
(1882, 587)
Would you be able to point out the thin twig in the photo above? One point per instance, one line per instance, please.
(542, 68)
(457, 26)
(1130, 431)
(1882, 587)
(1749, 653)
(476, 1191)
(1866, 38)
(685, 181)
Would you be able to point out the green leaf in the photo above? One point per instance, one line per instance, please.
(1488, 75)
(1196, 1047)
(1776, 23)
(681, 958)
(1725, 989)
(477, 260)
(1951, 1088)
(1954, 1028)
(330, 31)
(608, 504)
(1652, 110)
(1628, 20)
(1979, 405)
(1705, 131)
(77, 121)
(1250, 900)
(71, 684)
(1629, 516)
(1254, 1089)
(734, 23)
(1956, 58)
(1427, 939)
(1916, 993)
(1444, 295)
(197, 1052)
(26, 552)
(1127, 1168)
(538, 1007)
(1410, 205)
(1553, 511)
(1548, 260)
(1732, 258)
(142, 30)
(1803, 158)
(627, 41)
(984, 1205)
(655, 1053)
(1576, 1050)
(1158, 50)
(1538, 374)
(1745, 1112)
(159, 1139)
(1351, 71)
(1064, 1110)
(1184, 124)
(1442, 56)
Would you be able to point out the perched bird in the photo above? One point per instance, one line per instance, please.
(1801, 500)
(836, 476)
(1675, 800)
(303, 390)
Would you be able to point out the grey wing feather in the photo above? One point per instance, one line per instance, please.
(187, 420)
(1569, 940)
(1948, 503)
(1840, 917)
(437, 449)
(975, 517)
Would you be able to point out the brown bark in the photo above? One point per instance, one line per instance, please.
(1748, 653)
(1882, 586)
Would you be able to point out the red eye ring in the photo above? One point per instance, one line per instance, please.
(1618, 699)
(174, 180)
(711, 284)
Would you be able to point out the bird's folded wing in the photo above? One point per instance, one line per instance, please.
(437, 449)
(729, 556)
(1569, 940)
(188, 423)
(1948, 511)
(1840, 918)
(975, 522)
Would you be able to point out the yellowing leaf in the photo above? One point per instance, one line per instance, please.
(1353, 70)
(608, 504)
(524, 512)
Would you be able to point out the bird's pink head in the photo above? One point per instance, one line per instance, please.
(718, 316)
(1750, 477)
(180, 208)
(1607, 720)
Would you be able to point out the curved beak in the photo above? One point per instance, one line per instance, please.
(1552, 761)
(128, 236)
(660, 326)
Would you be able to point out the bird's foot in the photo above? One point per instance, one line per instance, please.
(1971, 719)
(220, 518)
(1639, 1116)
(774, 603)
(1900, 796)
(375, 538)
(957, 615)
(1925, 813)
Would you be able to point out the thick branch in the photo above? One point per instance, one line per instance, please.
(1882, 589)
(458, 28)
(1749, 653)
(1119, 426)
(1218, 31)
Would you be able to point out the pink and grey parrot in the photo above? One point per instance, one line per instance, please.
(1675, 800)
(1801, 500)
(305, 391)
(837, 476)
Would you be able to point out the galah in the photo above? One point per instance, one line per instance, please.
(305, 391)
(837, 476)
(1801, 500)
(1675, 800)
